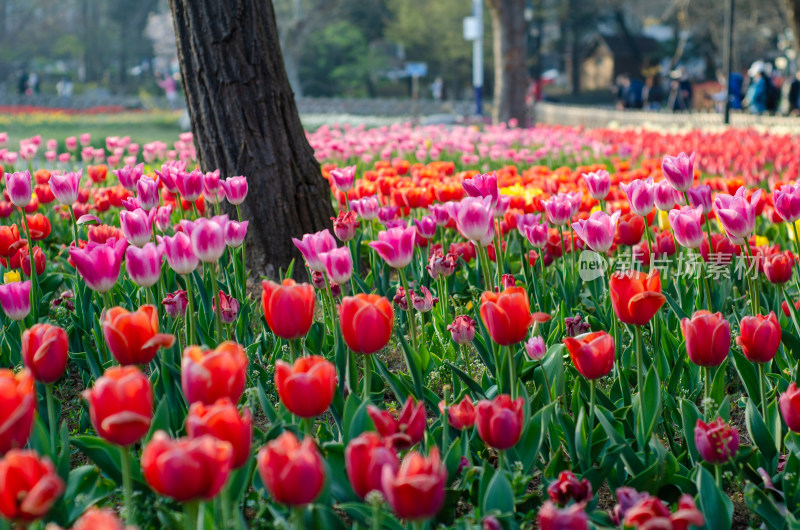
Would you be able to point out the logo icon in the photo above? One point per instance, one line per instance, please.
(591, 265)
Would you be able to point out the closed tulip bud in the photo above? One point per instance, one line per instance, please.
(29, 486)
(15, 299)
(395, 246)
(700, 197)
(235, 233)
(425, 302)
(343, 178)
(229, 307)
(212, 187)
(598, 231)
(312, 246)
(293, 472)
(17, 408)
(208, 375)
(506, 315)
(598, 183)
(45, 350)
(708, 338)
(366, 321)
(717, 442)
(759, 337)
(415, 491)
(175, 303)
(778, 267)
(143, 264)
(367, 207)
(344, 226)
(462, 329)
(147, 193)
(65, 186)
(572, 517)
(190, 185)
(737, 214)
(121, 405)
(99, 264)
(364, 459)
(187, 469)
(403, 431)
(133, 337)
(636, 296)
(235, 189)
(288, 307)
(592, 354)
(338, 264)
(460, 415)
(128, 176)
(223, 421)
(536, 348)
(630, 229)
(163, 218)
(686, 225)
(666, 197)
(18, 187)
(641, 196)
(426, 226)
(790, 407)
(180, 253)
(679, 170)
(208, 238)
(499, 421)
(306, 388)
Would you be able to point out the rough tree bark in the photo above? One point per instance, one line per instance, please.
(793, 15)
(245, 122)
(510, 73)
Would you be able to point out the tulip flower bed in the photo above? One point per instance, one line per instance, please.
(507, 327)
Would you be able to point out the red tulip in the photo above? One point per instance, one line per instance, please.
(17, 408)
(460, 415)
(39, 226)
(630, 229)
(366, 321)
(29, 485)
(288, 308)
(121, 405)
(708, 338)
(306, 388)
(45, 349)
(293, 472)
(506, 315)
(636, 296)
(717, 442)
(207, 375)
(759, 337)
(99, 519)
(500, 421)
(651, 512)
(572, 517)
(778, 267)
(592, 353)
(364, 459)
(9, 240)
(404, 431)
(790, 407)
(568, 488)
(416, 490)
(187, 469)
(223, 421)
(133, 337)
(787, 311)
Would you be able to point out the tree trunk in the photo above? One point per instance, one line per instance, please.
(510, 72)
(793, 16)
(245, 122)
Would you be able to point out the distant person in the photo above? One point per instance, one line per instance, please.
(794, 95)
(757, 91)
(170, 89)
(619, 89)
(736, 84)
(22, 84)
(437, 89)
(33, 84)
(64, 88)
(634, 94)
(681, 91)
(654, 93)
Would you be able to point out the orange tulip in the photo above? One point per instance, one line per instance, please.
(636, 296)
(133, 337)
(366, 321)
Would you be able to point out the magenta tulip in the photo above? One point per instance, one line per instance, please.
(338, 264)
(679, 170)
(367, 208)
(641, 196)
(235, 189)
(18, 186)
(598, 231)
(665, 196)
(474, 217)
(343, 178)
(137, 226)
(787, 202)
(395, 246)
(163, 218)
(144, 264)
(128, 176)
(482, 186)
(208, 238)
(313, 245)
(147, 193)
(235, 233)
(190, 185)
(65, 186)
(180, 253)
(701, 196)
(599, 184)
(15, 298)
(737, 215)
(686, 226)
(558, 209)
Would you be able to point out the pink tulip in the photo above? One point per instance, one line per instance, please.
(147, 193)
(737, 215)
(180, 254)
(71, 143)
(686, 226)
(344, 225)
(144, 264)
(208, 238)
(229, 307)
(426, 226)
(18, 186)
(526, 220)
(137, 226)
(679, 170)
(190, 185)
(163, 218)
(312, 245)
(665, 196)
(338, 264)
(395, 246)
(65, 186)
(559, 209)
(235, 189)
(599, 184)
(15, 298)
(641, 196)
(128, 176)
(235, 233)
(86, 139)
(787, 202)
(598, 230)
(425, 302)
(343, 178)
(366, 208)
(482, 186)
(474, 217)
(439, 212)
(536, 348)
(99, 264)
(169, 174)
(701, 196)
(175, 303)
(503, 203)
(212, 187)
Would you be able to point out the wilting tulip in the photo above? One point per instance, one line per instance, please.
(598, 231)
(128, 176)
(208, 238)
(717, 442)
(293, 472)
(208, 375)
(288, 307)
(568, 488)
(229, 307)
(402, 431)
(641, 196)
(133, 337)
(630, 229)
(598, 183)
(366, 321)
(187, 469)
(572, 517)
(99, 264)
(313, 245)
(143, 264)
(15, 298)
(180, 253)
(235, 233)
(787, 202)
(686, 226)
(343, 178)
(536, 348)
(395, 246)
(223, 421)
(708, 338)
(338, 264)
(235, 189)
(462, 329)
(500, 421)
(366, 207)
(29, 486)
(121, 405)
(65, 186)
(45, 350)
(18, 186)
(175, 303)
(636, 296)
(423, 303)
(679, 170)
(364, 459)
(415, 491)
(778, 267)
(474, 217)
(506, 315)
(759, 337)
(460, 415)
(306, 388)
(737, 214)
(344, 226)
(17, 408)
(558, 209)
(790, 407)
(440, 265)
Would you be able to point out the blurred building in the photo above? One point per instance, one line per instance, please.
(605, 57)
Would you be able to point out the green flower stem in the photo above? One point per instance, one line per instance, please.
(465, 355)
(762, 390)
(412, 324)
(51, 417)
(218, 308)
(189, 311)
(498, 252)
(752, 286)
(292, 350)
(190, 512)
(512, 371)
(563, 256)
(546, 380)
(591, 420)
(639, 360)
(367, 377)
(127, 487)
(483, 262)
(707, 394)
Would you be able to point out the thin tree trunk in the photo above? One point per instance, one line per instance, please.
(245, 122)
(510, 73)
